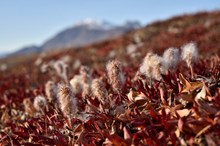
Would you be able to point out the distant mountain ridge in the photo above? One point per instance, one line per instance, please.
(82, 33)
(3, 54)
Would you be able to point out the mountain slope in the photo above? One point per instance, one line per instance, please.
(81, 34)
(87, 33)
(27, 50)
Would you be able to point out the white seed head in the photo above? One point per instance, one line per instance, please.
(86, 90)
(132, 48)
(77, 64)
(145, 67)
(189, 53)
(115, 76)
(61, 68)
(99, 90)
(68, 102)
(85, 74)
(44, 67)
(66, 59)
(82, 83)
(27, 102)
(28, 106)
(39, 61)
(153, 66)
(86, 80)
(51, 91)
(76, 83)
(157, 64)
(171, 58)
(40, 103)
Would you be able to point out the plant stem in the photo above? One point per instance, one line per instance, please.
(191, 71)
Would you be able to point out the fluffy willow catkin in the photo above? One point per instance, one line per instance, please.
(115, 75)
(82, 82)
(189, 53)
(146, 67)
(76, 83)
(51, 91)
(67, 100)
(171, 58)
(86, 90)
(153, 66)
(28, 106)
(62, 69)
(85, 74)
(158, 66)
(40, 103)
(99, 90)
(86, 80)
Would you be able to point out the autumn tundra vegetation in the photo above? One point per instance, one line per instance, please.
(124, 96)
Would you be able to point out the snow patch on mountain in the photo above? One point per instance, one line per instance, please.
(94, 24)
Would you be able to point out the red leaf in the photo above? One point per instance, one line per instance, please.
(180, 124)
(115, 139)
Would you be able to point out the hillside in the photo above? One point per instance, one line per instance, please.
(118, 103)
(202, 28)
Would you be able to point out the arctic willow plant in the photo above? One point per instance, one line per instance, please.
(76, 83)
(40, 103)
(82, 82)
(158, 66)
(190, 55)
(171, 58)
(28, 107)
(51, 91)
(115, 76)
(145, 67)
(67, 100)
(86, 80)
(99, 90)
(62, 69)
(153, 66)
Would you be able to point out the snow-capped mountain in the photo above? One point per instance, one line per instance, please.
(94, 24)
(83, 33)
(87, 32)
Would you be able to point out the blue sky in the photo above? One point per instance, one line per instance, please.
(26, 22)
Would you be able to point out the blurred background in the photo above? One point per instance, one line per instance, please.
(32, 26)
